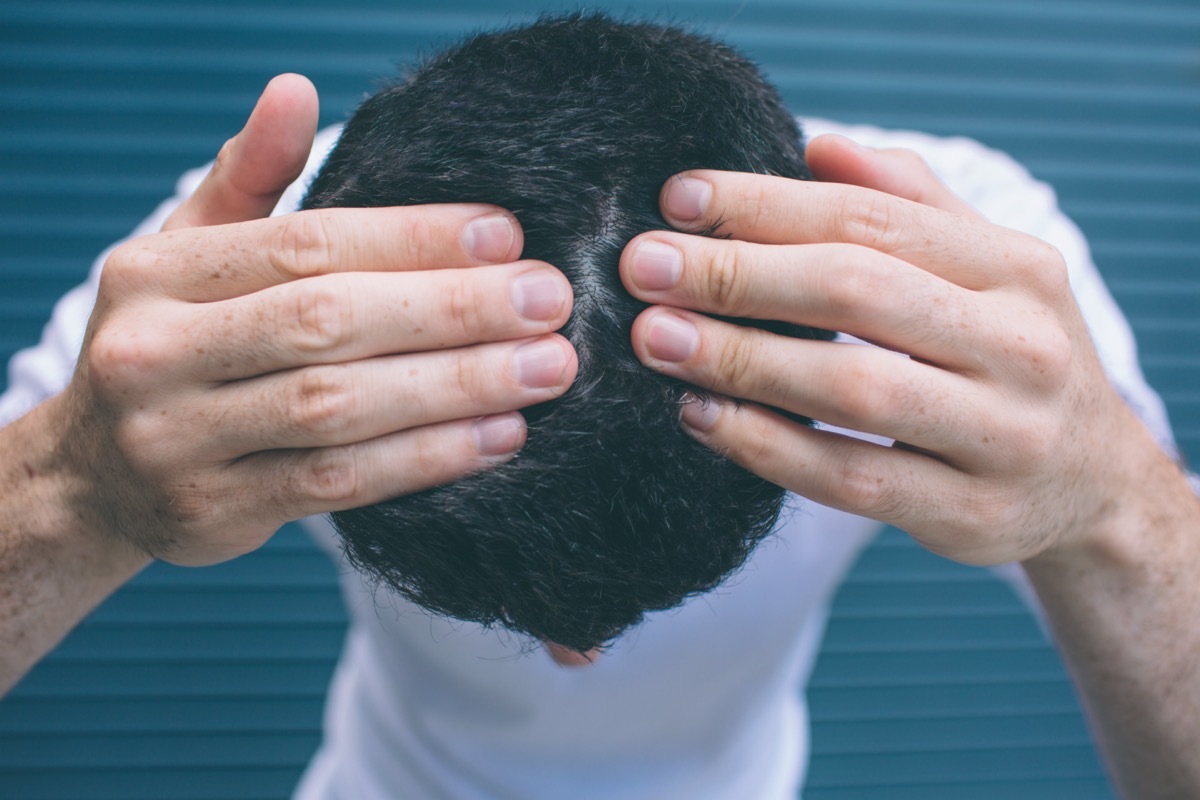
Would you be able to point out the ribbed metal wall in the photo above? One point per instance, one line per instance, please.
(933, 683)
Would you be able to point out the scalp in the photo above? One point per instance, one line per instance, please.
(573, 124)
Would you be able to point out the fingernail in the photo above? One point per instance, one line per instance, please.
(699, 413)
(499, 435)
(672, 338)
(686, 199)
(540, 364)
(539, 295)
(656, 266)
(489, 238)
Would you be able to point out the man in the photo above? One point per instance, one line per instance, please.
(1015, 447)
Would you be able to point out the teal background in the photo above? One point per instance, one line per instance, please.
(933, 682)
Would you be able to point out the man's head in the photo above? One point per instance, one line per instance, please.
(610, 510)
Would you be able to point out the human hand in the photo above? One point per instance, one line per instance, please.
(1010, 438)
(240, 371)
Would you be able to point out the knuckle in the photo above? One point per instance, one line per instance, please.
(331, 476)
(433, 456)
(862, 393)
(319, 321)
(760, 207)
(857, 486)
(128, 264)
(1055, 354)
(866, 218)
(1042, 268)
(421, 231)
(303, 245)
(465, 310)
(118, 357)
(470, 380)
(723, 280)
(1046, 356)
(735, 362)
(856, 281)
(323, 401)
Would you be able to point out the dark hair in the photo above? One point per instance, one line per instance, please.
(573, 124)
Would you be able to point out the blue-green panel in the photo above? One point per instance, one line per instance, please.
(933, 682)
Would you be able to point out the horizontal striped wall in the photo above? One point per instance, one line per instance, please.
(933, 682)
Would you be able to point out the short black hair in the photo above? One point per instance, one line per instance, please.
(574, 124)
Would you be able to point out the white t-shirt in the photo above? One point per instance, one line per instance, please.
(705, 701)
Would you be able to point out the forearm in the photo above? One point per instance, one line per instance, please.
(55, 566)
(1125, 609)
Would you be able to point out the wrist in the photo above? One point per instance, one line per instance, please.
(59, 561)
(1142, 512)
(1120, 597)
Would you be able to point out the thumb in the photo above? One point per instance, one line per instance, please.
(256, 166)
(898, 172)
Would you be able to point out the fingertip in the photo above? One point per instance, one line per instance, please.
(668, 338)
(639, 331)
(834, 158)
(281, 129)
(543, 294)
(498, 437)
(650, 265)
(698, 414)
(493, 235)
(293, 83)
(684, 199)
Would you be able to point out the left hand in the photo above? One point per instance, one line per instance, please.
(1009, 436)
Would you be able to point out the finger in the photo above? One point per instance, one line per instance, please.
(903, 488)
(340, 318)
(849, 385)
(839, 287)
(255, 167)
(346, 403)
(773, 210)
(899, 172)
(209, 264)
(289, 485)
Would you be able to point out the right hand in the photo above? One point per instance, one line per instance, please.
(241, 371)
